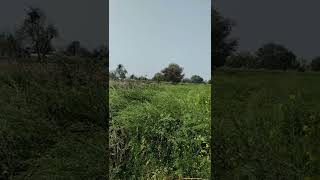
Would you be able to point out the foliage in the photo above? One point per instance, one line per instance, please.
(120, 72)
(53, 121)
(36, 33)
(303, 64)
(173, 73)
(101, 52)
(75, 49)
(223, 46)
(11, 46)
(275, 56)
(158, 77)
(186, 80)
(112, 75)
(315, 64)
(196, 79)
(265, 133)
(133, 77)
(159, 131)
(242, 60)
(143, 78)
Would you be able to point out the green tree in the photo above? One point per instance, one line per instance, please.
(276, 56)
(303, 65)
(315, 64)
(186, 80)
(133, 77)
(173, 73)
(223, 46)
(143, 78)
(242, 60)
(112, 75)
(121, 72)
(196, 79)
(158, 77)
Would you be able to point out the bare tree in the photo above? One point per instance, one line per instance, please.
(37, 33)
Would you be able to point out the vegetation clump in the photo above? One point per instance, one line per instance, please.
(159, 131)
(53, 107)
(265, 125)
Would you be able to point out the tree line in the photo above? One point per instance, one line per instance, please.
(34, 38)
(270, 56)
(172, 73)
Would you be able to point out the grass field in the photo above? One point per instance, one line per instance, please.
(266, 125)
(159, 131)
(52, 121)
(53, 125)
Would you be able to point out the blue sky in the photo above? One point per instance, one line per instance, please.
(146, 35)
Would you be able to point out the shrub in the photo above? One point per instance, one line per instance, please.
(242, 60)
(53, 120)
(160, 131)
(173, 73)
(196, 79)
(275, 56)
(315, 64)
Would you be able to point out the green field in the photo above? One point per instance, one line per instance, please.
(53, 125)
(52, 121)
(159, 131)
(266, 125)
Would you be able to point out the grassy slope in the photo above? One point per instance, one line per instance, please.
(266, 124)
(160, 131)
(52, 122)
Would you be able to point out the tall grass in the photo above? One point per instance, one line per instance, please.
(52, 121)
(265, 126)
(159, 131)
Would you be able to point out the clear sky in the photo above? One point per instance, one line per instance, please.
(146, 35)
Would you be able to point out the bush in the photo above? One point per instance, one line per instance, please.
(173, 73)
(52, 121)
(159, 131)
(315, 64)
(196, 79)
(242, 60)
(158, 77)
(275, 56)
(186, 80)
(268, 131)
